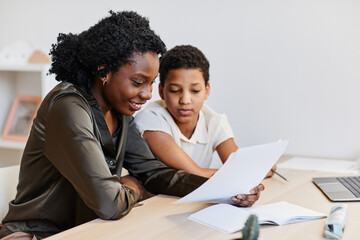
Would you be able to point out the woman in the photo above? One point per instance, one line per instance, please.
(83, 134)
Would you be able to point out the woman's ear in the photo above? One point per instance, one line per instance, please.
(103, 74)
(161, 91)
(207, 90)
(102, 71)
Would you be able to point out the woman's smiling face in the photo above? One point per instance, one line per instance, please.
(131, 86)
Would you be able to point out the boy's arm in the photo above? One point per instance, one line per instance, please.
(225, 148)
(160, 178)
(165, 148)
(156, 176)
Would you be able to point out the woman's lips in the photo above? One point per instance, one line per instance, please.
(136, 106)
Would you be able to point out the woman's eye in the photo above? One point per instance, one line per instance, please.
(195, 91)
(137, 82)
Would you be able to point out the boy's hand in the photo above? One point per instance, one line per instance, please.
(134, 184)
(247, 200)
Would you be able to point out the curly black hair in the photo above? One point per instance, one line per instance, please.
(183, 57)
(112, 42)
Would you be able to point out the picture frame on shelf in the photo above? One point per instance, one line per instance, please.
(20, 118)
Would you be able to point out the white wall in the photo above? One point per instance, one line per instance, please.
(279, 68)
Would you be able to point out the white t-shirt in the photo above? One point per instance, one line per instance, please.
(211, 129)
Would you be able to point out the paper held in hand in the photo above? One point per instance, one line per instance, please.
(242, 171)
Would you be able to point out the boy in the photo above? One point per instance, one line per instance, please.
(180, 129)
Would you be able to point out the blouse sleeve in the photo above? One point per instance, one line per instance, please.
(156, 176)
(73, 149)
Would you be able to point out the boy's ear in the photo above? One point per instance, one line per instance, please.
(161, 91)
(207, 90)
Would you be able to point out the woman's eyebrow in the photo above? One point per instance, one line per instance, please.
(141, 75)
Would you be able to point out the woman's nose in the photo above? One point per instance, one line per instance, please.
(146, 93)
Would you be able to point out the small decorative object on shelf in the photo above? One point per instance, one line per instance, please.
(39, 57)
(20, 118)
(251, 229)
(21, 52)
(15, 53)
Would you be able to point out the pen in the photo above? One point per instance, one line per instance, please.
(279, 175)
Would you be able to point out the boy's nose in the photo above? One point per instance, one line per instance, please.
(185, 98)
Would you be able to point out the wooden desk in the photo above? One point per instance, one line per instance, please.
(159, 219)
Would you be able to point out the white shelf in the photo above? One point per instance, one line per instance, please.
(20, 79)
(16, 145)
(24, 67)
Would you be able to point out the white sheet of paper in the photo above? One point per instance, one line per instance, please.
(322, 165)
(242, 171)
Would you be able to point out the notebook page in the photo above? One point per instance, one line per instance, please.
(228, 218)
(284, 213)
(222, 217)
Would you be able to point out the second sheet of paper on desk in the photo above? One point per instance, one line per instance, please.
(318, 164)
(242, 171)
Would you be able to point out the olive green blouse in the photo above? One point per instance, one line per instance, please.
(71, 166)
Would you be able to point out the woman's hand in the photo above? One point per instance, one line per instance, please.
(271, 173)
(134, 184)
(247, 200)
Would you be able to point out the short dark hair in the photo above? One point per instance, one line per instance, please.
(183, 57)
(112, 42)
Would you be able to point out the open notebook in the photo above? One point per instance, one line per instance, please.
(228, 218)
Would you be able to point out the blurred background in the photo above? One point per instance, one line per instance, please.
(279, 69)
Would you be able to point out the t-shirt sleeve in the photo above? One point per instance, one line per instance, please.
(224, 131)
(150, 120)
(218, 126)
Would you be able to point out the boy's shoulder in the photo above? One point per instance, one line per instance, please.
(152, 109)
(157, 106)
(212, 118)
(210, 113)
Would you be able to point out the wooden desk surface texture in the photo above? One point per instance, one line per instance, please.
(159, 218)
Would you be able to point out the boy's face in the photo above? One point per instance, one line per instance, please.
(184, 93)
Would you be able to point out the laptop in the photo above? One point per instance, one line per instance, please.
(340, 189)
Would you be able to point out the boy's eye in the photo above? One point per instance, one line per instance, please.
(174, 90)
(195, 91)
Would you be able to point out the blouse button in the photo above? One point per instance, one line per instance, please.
(111, 162)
